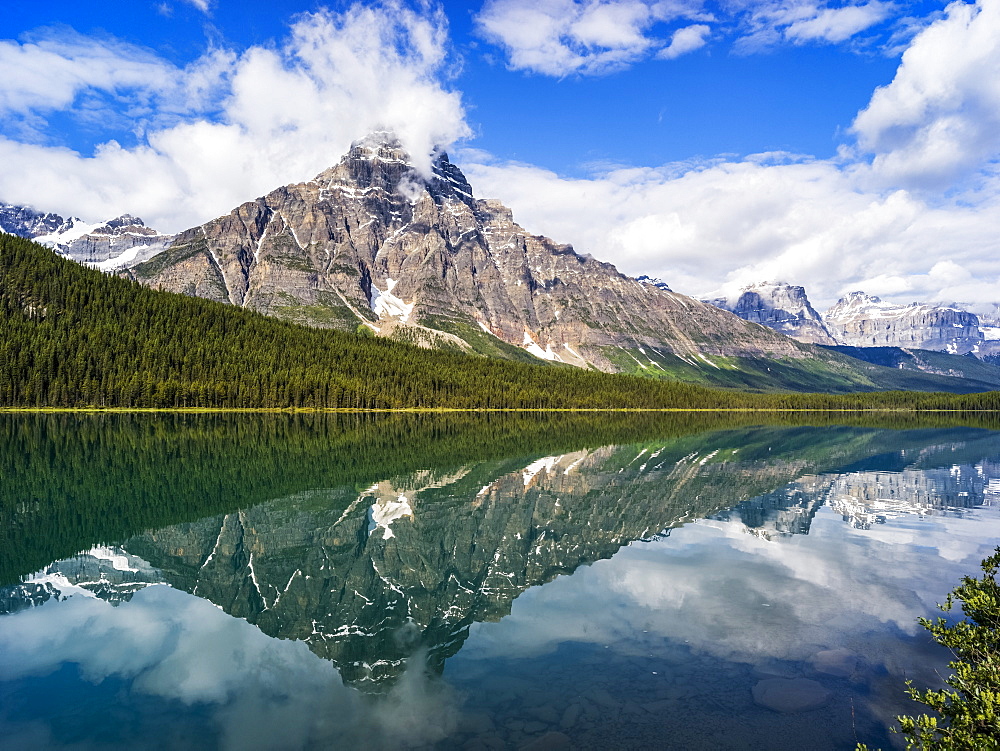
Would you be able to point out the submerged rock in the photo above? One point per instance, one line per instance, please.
(839, 662)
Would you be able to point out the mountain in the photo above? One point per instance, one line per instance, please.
(918, 337)
(113, 244)
(779, 306)
(989, 326)
(861, 320)
(372, 243)
(28, 223)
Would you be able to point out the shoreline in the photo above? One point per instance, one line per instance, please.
(484, 410)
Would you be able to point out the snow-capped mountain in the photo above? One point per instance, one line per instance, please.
(860, 320)
(779, 306)
(25, 222)
(107, 573)
(114, 244)
(370, 242)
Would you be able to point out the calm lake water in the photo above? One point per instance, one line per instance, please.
(542, 582)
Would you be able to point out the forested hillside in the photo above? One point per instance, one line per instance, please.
(71, 336)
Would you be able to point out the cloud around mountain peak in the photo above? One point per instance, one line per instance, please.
(228, 126)
(908, 209)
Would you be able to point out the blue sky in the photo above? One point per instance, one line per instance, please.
(840, 145)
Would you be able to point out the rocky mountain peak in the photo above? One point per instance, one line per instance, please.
(861, 320)
(780, 306)
(380, 163)
(854, 301)
(112, 244)
(28, 223)
(122, 224)
(375, 242)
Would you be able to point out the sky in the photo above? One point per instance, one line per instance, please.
(838, 145)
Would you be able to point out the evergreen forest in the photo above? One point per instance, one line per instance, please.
(74, 337)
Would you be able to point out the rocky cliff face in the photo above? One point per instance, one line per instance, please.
(114, 244)
(371, 242)
(989, 325)
(117, 243)
(28, 223)
(779, 306)
(860, 320)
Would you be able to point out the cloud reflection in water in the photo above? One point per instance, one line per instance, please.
(258, 692)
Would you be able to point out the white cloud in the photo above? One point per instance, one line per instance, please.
(685, 40)
(939, 119)
(593, 37)
(256, 691)
(837, 24)
(560, 37)
(51, 72)
(766, 24)
(725, 224)
(203, 5)
(230, 126)
(930, 194)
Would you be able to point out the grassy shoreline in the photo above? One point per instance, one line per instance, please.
(490, 410)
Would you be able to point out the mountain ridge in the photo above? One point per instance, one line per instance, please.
(371, 245)
(368, 243)
(859, 322)
(108, 245)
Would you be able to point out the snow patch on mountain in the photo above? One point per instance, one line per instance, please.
(387, 305)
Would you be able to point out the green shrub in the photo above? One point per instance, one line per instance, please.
(968, 714)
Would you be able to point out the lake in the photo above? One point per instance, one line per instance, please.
(280, 581)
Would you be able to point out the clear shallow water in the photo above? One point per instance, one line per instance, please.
(674, 588)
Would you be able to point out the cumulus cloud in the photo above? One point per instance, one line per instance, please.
(685, 40)
(920, 186)
(560, 37)
(730, 223)
(939, 118)
(231, 125)
(256, 691)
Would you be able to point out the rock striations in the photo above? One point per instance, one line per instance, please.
(861, 320)
(370, 242)
(779, 306)
(113, 244)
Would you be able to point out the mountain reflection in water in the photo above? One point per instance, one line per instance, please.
(437, 588)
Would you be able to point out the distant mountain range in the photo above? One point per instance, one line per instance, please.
(109, 245)
(864, 321)
(372, 245)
